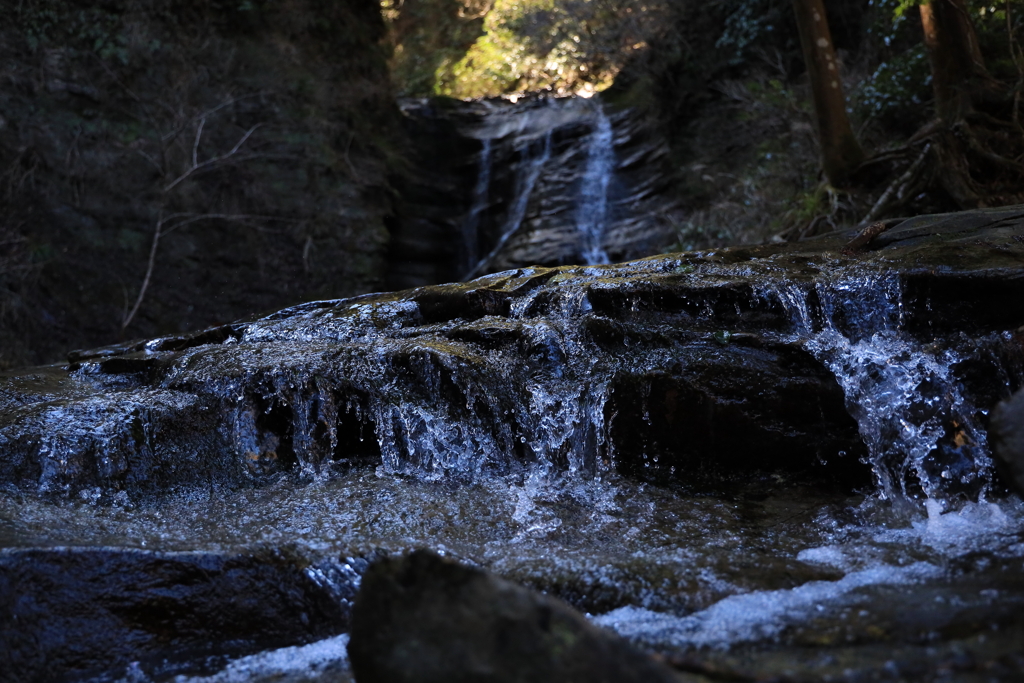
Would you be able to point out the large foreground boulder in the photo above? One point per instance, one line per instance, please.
(425, 619)
(75, 613)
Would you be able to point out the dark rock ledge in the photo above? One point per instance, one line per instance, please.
(75, 613)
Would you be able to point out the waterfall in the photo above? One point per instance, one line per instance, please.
(534, 155)
(593, 200)
(481, 199)
(542, 181)
(921, 431)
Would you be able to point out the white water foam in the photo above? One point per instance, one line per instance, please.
(756, 616)
(309, 660)
(902, 392)
(873, 555)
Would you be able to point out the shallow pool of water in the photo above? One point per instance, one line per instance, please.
(766, 576)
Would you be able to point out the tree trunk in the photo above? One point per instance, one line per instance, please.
(958, 69)
(840, 152)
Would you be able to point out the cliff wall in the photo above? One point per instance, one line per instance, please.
(252, 141)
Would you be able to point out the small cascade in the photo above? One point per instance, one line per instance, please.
(593, 202)
(682, 446)
(481, 198)
(921, 431)
(535, 155)
(677, 367)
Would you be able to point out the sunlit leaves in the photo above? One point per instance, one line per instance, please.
(564, 46)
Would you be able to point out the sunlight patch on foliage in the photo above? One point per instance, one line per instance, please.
(561, 46)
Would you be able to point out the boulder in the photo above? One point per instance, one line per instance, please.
(1008, 437)
(426, 619)
(72, 613)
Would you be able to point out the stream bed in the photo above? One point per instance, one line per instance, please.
(771, 578)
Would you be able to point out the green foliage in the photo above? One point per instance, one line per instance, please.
(897, 89)
(428, 37)
(752, 23)
(66, 24)
(518, 45)
(1001, 37)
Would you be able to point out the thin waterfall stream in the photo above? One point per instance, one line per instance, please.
(535, 156)
(593, 202)
(546, 180)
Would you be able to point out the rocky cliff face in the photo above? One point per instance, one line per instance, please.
(220, 159)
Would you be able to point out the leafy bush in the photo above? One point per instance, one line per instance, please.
(519, 45)
(753, 23)
(897, 90)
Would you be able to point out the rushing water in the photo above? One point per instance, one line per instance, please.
(921, 431)
(770, 563)
(593, 203)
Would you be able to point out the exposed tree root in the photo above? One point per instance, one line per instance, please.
(976, 162)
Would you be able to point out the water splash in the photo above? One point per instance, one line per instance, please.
(922, 432)
(592, 213)
(326, 659)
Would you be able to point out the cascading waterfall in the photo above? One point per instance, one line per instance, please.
(922, 433)
(660, 442)
(540, 181)
(535, 155)
(481, 198)
(559, 207)
(591, 214)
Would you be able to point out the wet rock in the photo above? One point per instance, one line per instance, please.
(774, 406)
(690, 367)
(1008, 432)
(423, 619)
(69, 613)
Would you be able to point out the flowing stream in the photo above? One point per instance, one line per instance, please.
(904, 393)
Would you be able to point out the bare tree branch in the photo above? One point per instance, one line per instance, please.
(897, 190)
(195, 145)
(210, 162)
(162, 231)
(149, 274)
